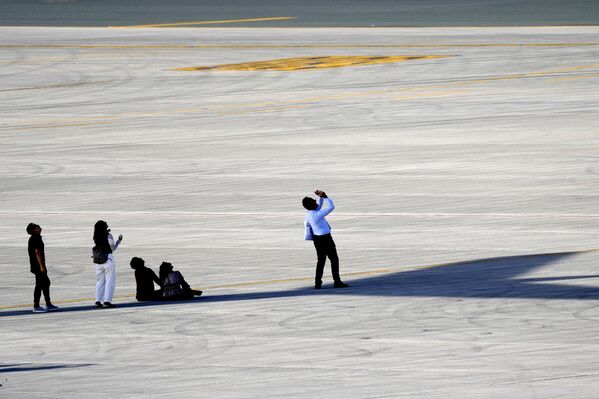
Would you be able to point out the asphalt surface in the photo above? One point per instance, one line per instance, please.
(465, 184)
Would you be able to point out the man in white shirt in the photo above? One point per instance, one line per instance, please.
(319, 231)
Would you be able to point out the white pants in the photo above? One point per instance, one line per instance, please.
(105, 280)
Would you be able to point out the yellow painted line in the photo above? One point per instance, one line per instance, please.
(592, 75)
(55, 86)
(301, 63)
(232, 285)
(579, 67)
(430, 94)
(525, 75)
(351, 95)
(299, 279)
(291, 46)
(64, 301)
(296, 279)
(268, 108)
(225, 21)
(236, 109)
(279, 104)
(264, 110)
(53, 126)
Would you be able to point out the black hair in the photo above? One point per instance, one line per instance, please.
(307, 203)
(30, 228)
(137, 263)
(165, 269)
(101, 234)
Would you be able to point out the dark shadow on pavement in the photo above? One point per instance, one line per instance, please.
(91, 308)
(12, 368)
(482, 278)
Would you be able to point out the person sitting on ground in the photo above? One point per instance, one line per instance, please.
(174, 286)
(145, 279)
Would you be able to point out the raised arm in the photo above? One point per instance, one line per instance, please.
(114, 245)
(330, 206)
(320, 202)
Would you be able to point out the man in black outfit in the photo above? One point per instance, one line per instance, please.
(318, 230)
(37, 261)
(145, 279)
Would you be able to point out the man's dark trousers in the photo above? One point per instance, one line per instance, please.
(42, 284)
(325, 247)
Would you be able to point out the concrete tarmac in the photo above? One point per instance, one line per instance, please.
(464, 169)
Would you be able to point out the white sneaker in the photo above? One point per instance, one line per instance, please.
(39, 309)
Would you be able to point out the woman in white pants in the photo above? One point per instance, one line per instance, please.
(106, 270)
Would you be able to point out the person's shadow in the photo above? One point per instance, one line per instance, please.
(20, 367)
(481, 278)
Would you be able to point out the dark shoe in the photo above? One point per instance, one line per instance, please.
(197, 293)
(317, 286)
(109, 305)
(51, 307)
(340, 284)
(98, 305)
(39, 309)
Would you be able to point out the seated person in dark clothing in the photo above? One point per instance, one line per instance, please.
(174, 286)
(145, 279)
